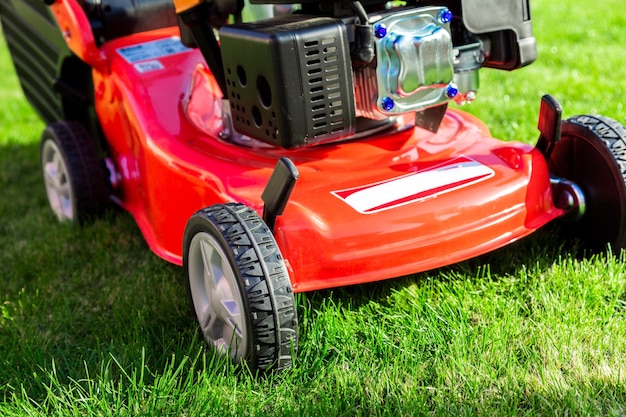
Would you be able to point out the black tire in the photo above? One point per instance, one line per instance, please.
(592, 154)
(239, 287)
(74, 178)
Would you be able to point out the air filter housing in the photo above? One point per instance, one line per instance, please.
(289, 80)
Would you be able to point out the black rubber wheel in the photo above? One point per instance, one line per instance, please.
(592, 154)
(74, 178)
(239, 287)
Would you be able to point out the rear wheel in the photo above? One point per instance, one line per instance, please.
(592, 154)
(239, 287)
(74, 178)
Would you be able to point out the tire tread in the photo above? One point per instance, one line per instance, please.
(267, 286)
(86, 173)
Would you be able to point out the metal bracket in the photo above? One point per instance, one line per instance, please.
(430, 118)
(278, 190)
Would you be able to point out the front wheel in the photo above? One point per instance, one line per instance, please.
(592, 154)
(239, 287)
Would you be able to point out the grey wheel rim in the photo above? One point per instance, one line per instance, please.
(57, 182)
(217, 297)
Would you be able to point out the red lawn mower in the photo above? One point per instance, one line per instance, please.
(272, 148)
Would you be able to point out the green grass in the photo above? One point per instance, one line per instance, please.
(92, 323)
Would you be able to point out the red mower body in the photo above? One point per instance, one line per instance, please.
(362, 210)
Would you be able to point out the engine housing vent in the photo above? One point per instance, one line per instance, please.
(289, 80)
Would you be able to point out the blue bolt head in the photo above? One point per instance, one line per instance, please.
(445, 16)
(387, 103)
(380, 30)
(452, 90)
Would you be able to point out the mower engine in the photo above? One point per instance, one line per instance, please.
(333, 70)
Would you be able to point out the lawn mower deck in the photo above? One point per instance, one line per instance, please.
(389, 205)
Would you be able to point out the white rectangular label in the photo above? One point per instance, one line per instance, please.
(152, 50)
(384, 195)
(148, 66)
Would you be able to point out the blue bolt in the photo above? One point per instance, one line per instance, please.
(380, 31)
(445, 16)
(452, 90)
(387, 103)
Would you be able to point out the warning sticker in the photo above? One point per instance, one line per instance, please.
(152, 50)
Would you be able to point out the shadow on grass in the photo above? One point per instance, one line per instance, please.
(79, 297)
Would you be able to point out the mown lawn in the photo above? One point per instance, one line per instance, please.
(92, 323)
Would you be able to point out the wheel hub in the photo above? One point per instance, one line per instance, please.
(57, 183)
(217, 301)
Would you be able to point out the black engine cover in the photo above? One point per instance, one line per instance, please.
(289, 79)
